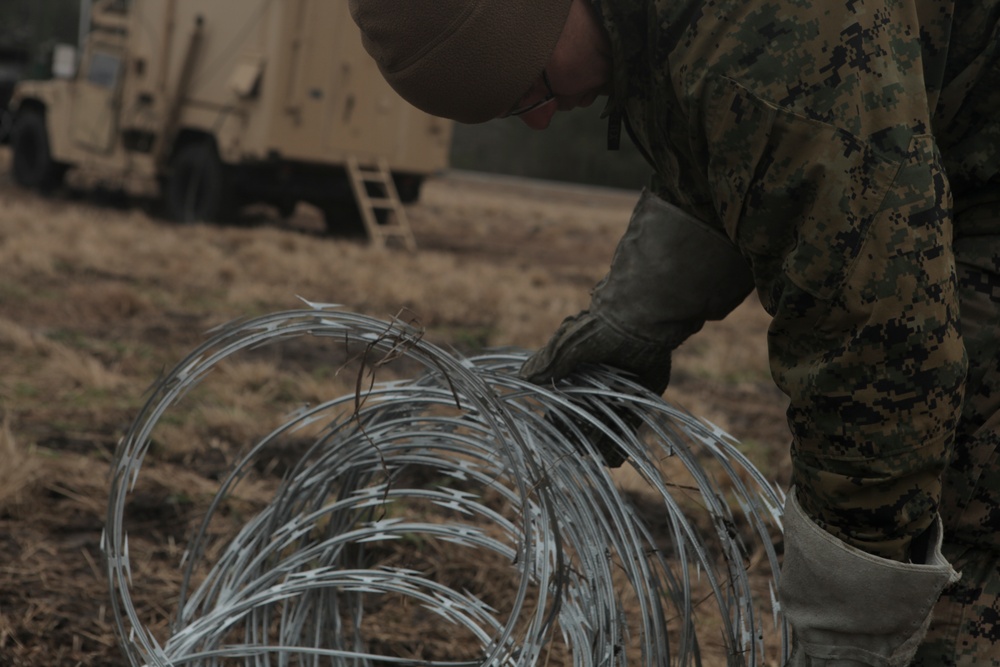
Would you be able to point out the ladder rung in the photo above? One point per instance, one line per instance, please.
(378, 204)
(379, 174)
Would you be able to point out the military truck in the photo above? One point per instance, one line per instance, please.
(211, 105)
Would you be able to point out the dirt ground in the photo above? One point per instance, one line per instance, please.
(98, 297)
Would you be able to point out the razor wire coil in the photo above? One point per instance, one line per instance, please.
(466, 458)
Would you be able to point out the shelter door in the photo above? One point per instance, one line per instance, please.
(97, 101)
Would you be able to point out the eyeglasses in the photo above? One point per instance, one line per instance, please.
(549, 96)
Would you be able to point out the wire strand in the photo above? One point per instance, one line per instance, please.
(467, 462)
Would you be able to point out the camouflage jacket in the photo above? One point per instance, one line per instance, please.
(828, 139)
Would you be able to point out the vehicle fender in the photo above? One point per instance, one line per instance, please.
(54, 99)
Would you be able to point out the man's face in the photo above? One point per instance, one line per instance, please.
(531, 101)
(539, 105)
(578, 71)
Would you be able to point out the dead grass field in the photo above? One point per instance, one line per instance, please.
(96, 300)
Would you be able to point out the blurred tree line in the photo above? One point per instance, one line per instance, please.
(35, 26)
(573, 148)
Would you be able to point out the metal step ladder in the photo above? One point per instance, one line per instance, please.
(375, 192)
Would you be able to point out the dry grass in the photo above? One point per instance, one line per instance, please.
(97, 301)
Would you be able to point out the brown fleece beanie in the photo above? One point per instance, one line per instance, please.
(468, 60)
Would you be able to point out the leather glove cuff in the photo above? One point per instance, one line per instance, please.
(847, 607)
(670, 273)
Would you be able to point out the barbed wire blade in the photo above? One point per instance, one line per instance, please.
(452, 489)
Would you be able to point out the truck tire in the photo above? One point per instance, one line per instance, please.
(198, 187)
(33, 165)
(408, 187)
(6, 123)
(343, 218)
(286, 207)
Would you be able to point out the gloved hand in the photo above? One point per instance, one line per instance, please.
(669, 275)
(850, 608)
(588, 338)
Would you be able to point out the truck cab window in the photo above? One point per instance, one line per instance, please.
(103, 70)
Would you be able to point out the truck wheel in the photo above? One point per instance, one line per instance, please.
(343, 218)
(33, 164)
(286, 207)
(198, 187)
(5, 126)
(408, 187)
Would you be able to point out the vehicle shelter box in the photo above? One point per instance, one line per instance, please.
(219, 103)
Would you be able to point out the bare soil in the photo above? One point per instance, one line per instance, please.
(98, 297)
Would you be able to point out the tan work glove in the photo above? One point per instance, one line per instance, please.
(848, 608)
(669, 275)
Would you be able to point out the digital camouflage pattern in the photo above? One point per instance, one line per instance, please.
(966, 625)
(965, 629)
(851, 150)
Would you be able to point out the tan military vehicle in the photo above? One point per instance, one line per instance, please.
(214, 104)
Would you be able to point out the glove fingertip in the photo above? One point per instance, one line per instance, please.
(543, 374)
(534, 370)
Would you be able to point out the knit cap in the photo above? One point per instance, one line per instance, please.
(468, 60)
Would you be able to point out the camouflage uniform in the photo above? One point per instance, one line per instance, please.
(851, 151)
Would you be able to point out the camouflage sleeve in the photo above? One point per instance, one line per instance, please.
(834, 191)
